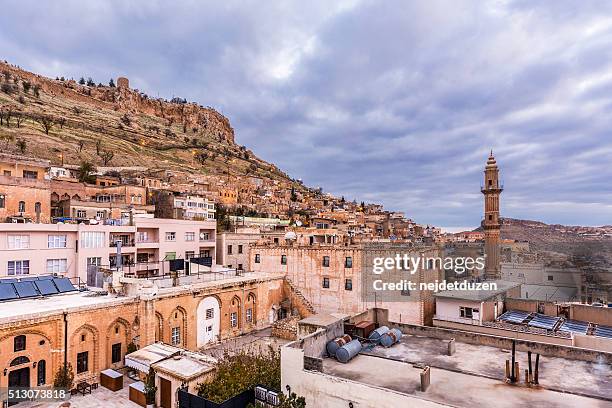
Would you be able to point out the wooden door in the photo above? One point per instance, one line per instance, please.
(165, 396)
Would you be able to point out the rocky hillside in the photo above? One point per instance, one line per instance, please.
(59, 119)
(593, 242)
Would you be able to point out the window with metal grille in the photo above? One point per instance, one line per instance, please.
(326, 261)
(82, 364)
(326, 283)
(176, 336)
(348, 284)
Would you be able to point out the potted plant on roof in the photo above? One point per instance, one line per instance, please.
(150, 389)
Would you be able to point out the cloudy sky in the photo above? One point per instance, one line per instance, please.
(396, 102)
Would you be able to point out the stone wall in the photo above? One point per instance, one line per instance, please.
(545, 349)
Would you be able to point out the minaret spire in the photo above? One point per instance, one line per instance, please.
(491, 224)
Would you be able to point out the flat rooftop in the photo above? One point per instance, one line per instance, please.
(38, 307)
(478, 295)
(563, 383)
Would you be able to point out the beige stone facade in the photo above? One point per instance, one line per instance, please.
(99, 329)
(331, 277)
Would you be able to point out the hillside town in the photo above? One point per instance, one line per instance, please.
(139, 281)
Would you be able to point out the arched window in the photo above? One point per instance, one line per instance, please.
(19, 361)
(41, 375)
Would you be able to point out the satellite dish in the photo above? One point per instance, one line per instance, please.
(202, 235)
(298, 223)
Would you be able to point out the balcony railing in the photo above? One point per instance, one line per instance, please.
(147, 241)
(124, 243)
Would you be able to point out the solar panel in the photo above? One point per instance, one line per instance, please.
(29, 279)
(543, 321)
(45, 277)
(46, 287)
(575, 326)
(514, 316)
(603, 331)
(64, 285)
(8, 280)
(7, 291)
(25, 289)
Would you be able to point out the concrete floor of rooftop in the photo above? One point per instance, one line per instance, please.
(474, 375)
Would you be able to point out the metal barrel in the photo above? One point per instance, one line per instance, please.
(333, 345)
(390, 338)
(376, 334)
(348, 351)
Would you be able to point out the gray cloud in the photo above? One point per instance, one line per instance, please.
(397, 102)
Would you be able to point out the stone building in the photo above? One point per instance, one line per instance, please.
(92, 332)
(233, 248)
(339, 278)
(24, 190)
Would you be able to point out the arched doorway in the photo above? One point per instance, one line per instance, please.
(19, 377)
(208, 320)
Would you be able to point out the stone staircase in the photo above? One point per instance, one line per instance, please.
(299, 300)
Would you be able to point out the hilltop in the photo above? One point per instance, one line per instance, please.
(111, 125)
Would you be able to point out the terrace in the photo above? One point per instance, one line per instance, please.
(427, 364)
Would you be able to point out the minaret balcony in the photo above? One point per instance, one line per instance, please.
(491, 189)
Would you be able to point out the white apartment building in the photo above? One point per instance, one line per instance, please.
(67, 249)
(195, 207)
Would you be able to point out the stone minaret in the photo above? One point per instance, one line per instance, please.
(491, 190)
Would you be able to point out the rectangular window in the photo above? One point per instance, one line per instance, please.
(82, 362)
(18, 241)
(99, 215)
(283, 259)
(2, 200)
(94, 261)
(57, 265)
(18, 267)
(19, 344)
(234, 319)
(550, 277)
(326, 261)
(348, 262)
(229, 249)
(249, 315)
(21, 206)
(30, 174)
(170, 236)
(92, 239)
(81, 214)
(257, 258)
(239, 249)
(7, 173)
(326, 283)
(190, 236)
(189, 254)
(210, 313)
(56, 241)
(348, 284)
(467, 312)
(116, 353)
(240, 267)
(176, 336)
